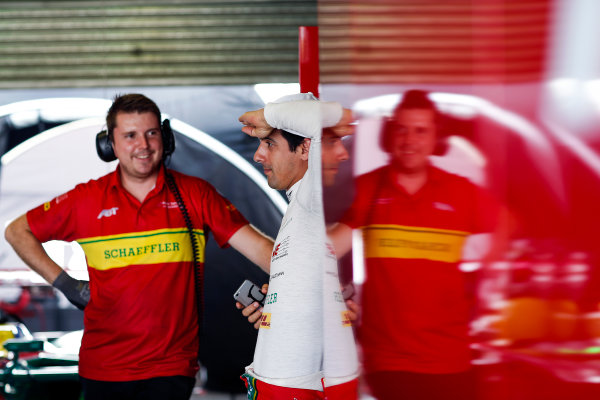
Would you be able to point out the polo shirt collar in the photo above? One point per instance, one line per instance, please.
(115, 179)
(291, 192)
(160, 179)
(434, 174)
(434, 177)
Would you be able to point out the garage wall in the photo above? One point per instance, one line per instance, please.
(67, 44)
(433, 41)
(116, 43)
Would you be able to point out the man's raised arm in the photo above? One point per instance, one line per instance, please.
(302, 117)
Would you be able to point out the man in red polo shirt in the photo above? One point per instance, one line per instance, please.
(141, 329)
(415, 219)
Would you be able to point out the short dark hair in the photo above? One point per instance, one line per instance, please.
(292, 139)
(129, 103)
(417, 99)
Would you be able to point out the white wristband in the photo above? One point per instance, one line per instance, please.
(303, 117)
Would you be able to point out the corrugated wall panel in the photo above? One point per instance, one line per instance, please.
(135, 43)
(433, 41)
(150, 43)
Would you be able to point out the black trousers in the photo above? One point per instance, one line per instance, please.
(160, 388)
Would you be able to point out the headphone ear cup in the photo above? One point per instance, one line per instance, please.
(168, 138)
(104, 147)
(441, 137)
(385, 136)
(441, 146)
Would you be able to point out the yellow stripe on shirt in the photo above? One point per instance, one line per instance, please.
(141, 248)
(397, 241)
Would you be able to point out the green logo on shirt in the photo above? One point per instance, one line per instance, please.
(140, 250)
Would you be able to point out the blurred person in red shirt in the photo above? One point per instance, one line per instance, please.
(415, 219)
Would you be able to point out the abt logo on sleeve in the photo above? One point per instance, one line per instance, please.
(108, 212)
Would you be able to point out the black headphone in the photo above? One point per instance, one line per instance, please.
(106, 153)
(386, 137)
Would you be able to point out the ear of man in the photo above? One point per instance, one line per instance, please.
(305, 148)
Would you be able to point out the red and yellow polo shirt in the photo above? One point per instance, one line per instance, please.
(415, 307)
(141, 321)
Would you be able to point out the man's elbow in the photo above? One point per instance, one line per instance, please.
(9, 233)
(14, 230)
